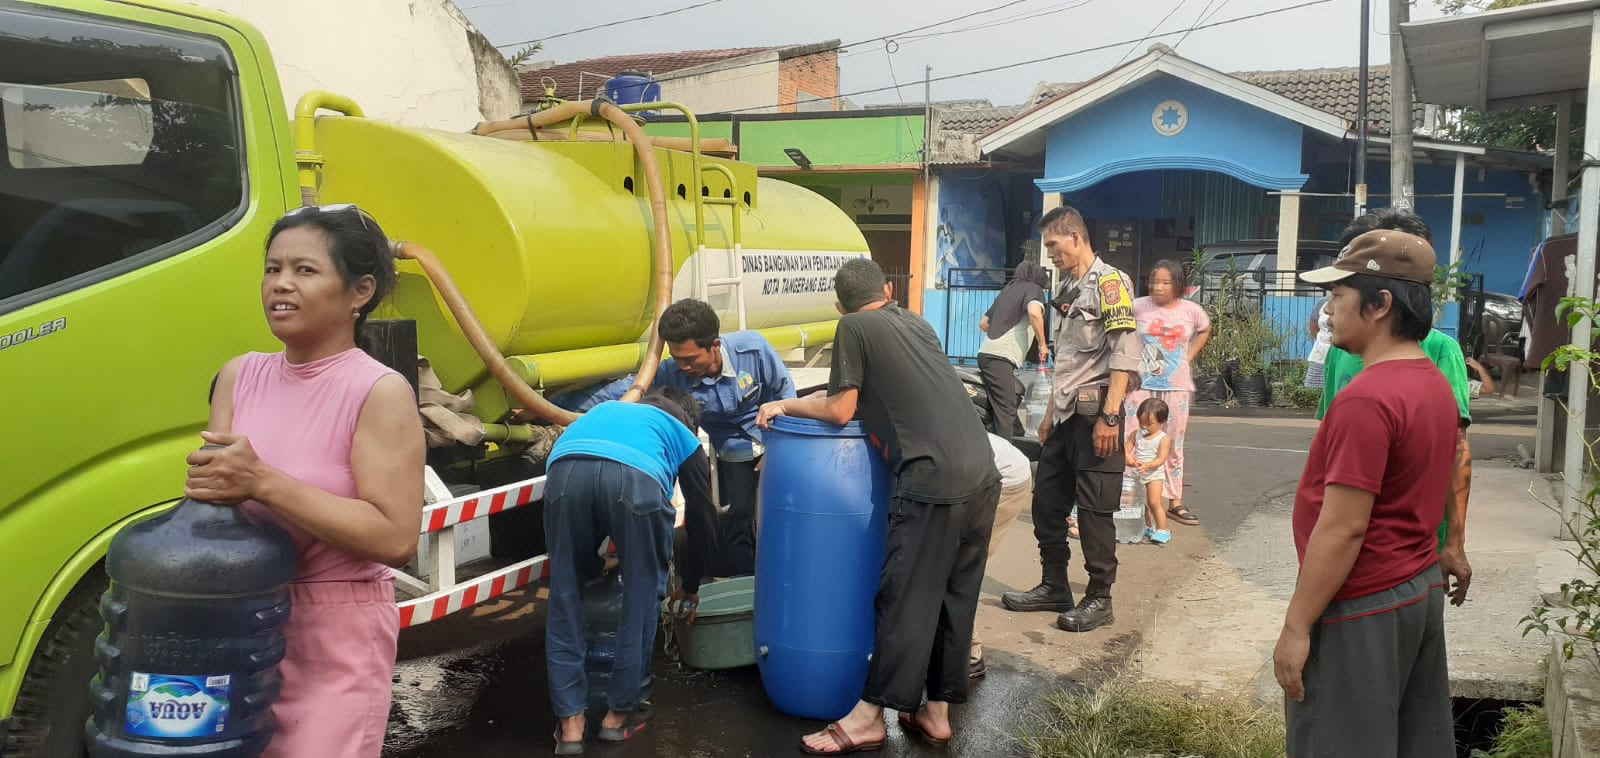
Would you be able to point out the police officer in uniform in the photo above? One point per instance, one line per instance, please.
(1096, 366)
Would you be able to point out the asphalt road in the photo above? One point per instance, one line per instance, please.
(475, 686)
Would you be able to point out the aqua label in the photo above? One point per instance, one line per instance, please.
(176, 707)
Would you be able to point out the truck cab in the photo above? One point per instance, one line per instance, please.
(146, 158)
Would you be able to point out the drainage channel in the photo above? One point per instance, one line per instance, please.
(1478, 721)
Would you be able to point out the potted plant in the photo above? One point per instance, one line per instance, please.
(1253, 340)
(1243, 340)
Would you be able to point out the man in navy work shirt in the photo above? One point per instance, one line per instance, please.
(611, 475)
(731, 375)
(888, 363)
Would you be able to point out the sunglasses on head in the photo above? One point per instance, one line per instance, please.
(332, 208)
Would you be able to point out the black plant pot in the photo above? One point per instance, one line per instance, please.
(1252, 390)
(1212, 389)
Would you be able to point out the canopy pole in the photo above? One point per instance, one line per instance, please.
(1563, 168)
(1455, 208)
(1573, 469)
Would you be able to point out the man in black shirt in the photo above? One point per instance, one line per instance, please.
(888, 363)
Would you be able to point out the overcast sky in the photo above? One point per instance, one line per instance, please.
(1320, 35)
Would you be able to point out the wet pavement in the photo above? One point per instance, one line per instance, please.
(491, 700)
(473, 684)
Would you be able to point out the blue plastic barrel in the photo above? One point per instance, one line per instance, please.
(633, 87)
(823, 502)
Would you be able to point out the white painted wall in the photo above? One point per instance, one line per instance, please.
(714, 88)
(414, 63)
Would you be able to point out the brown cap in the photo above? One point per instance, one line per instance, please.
(1381, 252)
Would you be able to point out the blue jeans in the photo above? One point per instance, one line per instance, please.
(587, 500)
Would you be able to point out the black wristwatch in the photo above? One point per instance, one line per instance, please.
(1111, 419)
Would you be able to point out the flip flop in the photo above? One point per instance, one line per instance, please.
(1183, 515)
(909, 725)
(1072, 528)
(566, 747)
(632, 726)
(843, 742)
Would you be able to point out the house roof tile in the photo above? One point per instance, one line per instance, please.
(1330, 90)
(592, 73)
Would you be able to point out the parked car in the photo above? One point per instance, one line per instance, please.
(1499, 326)
(1244, 270)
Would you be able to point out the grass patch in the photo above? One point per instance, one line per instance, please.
(1524, 733)
(1122, 721)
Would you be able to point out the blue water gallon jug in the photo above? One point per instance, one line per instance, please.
(823, 502)
(194, 632)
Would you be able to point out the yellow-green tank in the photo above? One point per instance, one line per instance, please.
(550, 242)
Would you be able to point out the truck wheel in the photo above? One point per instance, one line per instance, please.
(53, 704)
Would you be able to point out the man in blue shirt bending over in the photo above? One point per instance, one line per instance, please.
(731, 375)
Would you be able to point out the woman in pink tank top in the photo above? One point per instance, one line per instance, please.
(326, 442)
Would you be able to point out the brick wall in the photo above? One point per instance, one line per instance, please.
(816, 74)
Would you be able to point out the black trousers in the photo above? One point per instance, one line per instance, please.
(1070, 473)
(736, 528)
(927, 598)
(1000, 383)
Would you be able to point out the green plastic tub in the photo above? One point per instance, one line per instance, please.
(723, 635)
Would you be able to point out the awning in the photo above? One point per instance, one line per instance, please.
(1535, 54)
(1528, 55)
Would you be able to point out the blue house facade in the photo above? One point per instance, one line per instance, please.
(1166, 157)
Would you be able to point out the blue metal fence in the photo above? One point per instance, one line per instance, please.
(969, 292)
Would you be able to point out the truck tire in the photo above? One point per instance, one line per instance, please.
(53, 704)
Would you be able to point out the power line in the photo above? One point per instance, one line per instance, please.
(610, 24)
(1153, 29)
(1059, 56)
(892, 42)
(998, 22)
(1200, 18)
(881, 38)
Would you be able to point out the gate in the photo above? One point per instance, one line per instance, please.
(969, 293)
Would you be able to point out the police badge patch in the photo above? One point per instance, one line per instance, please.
(1116, 307)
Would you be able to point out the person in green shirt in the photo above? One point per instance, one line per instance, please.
(1340, 367)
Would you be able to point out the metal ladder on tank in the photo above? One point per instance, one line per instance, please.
(735, 277)
(701, 169)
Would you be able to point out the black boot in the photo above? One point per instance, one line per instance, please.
(1052, 594)
(1092, 613)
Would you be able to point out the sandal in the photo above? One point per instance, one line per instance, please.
(1183, 515)
(633, 725)
(909, 725)
(843, 742)
(566, 747)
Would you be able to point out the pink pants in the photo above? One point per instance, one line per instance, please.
(1177, 427)
(338, 673)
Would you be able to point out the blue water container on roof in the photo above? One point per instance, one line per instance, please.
(824, 501)
(632, 88)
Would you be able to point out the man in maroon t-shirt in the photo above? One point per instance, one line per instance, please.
(1361, 658)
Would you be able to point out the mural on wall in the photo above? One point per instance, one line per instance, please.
(971, 231)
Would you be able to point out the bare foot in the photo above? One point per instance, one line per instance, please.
(614, 720)
(863, 725)
(572, 728)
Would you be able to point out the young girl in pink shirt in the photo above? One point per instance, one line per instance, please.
(1172, 331)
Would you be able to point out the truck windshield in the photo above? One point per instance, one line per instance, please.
(118, 142)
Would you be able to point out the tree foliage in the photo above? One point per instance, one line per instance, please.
(524, 55)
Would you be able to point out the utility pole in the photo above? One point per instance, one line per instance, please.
(1401, 188)
(927, 125)
(1361, 111)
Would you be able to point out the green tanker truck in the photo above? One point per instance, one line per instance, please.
(148, 153)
